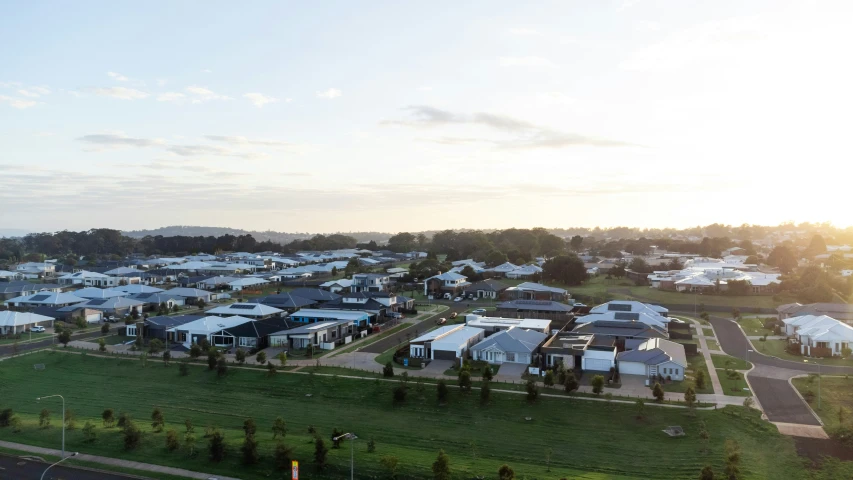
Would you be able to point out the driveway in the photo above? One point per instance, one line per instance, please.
(510, 372)
(781, 402)
(437, 367)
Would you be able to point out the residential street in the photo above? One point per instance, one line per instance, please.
(26, 347)
(16, 468)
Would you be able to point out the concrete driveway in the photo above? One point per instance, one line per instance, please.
(437, 367)
(510, 372)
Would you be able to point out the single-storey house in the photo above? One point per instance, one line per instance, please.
(315, 294)
(485, 289)
(310, 315)
(155, 299)
(446, 343)
(495, 324)
(7, 276)
(536, 291)
(255, 311)
(17, 289)
(18, 322)
(654, 357)
(254, 334)
(524, 271)
(68, 314)
(820, 335)
(534, 307)
(156, 327)
(91, 293)
(378, 304)
(203, 329)
(515, 345)
(840, 311)
(246, 283)
(110, 306)
(630, 306)
(642, 317)
(286, 301)
(42, 299)
(89, 279)
(627, 335)
(136, 288)
(324, 335)
(191, 295)
(336, 286)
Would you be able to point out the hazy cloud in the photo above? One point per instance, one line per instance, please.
(175, 97)
(259, 99)
(425, 88)
(537, 62)
(525, 134)
(18, 103)
(216, 150)
(11, 84)
(330, 93)
(120, 140)
(122, 93)
(239, 140)
(524, 31)
(202, 94)
(34, 92)
(117, 76)
(161, 82)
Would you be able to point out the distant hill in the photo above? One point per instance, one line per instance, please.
(279, 237)
(13, 232)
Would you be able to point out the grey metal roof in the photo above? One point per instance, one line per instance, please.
(513, 340)
(536, 305)
(622, 329)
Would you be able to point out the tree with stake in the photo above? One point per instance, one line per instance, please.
(700, 379)
(442, 391)
(44, 418)
(640, 405)
(132, 436)
(465, 381)
(441, 467)
(212, 357)
(189, 443)
(157, 420)
(172, 442)
(70, 421)
(532, 391)
(216, 446)
(282, 358)
(109, 417)
(657, 392)
(64, 338)
(320, 453)
(690, 397)
(167, 357)
(102, 345)
(279, 428)
(250, 450)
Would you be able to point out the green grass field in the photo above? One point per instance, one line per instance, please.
(753, 326)
(733, 386)
(25, 338)
(776, 348)
(582, 435)
(835, 392)
(737, 364)
(713, 344)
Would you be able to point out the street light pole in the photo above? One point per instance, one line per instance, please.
(55, 464)
(63, 421)
(747, 354)
(351, 437)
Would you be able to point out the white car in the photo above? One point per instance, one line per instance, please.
(457, 299)
(479, 310)
(37, 329)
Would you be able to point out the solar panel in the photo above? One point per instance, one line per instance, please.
(242, 307)
(144, 295)
(39, 298)
(99, 301)
(619, 307)
(626, 316)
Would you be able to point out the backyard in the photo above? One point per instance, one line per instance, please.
(581, 444)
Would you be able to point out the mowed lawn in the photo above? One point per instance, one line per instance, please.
(587, 439)
(776, 348)
(835, 392)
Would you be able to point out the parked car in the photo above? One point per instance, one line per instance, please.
(111, 319)
(447, 296)
(441, 321)
(37, 329)
(457, 299)
(479, 311)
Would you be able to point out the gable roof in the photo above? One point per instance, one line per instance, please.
(262, 328)
(536, 305)
(169, 321)
(315, 294)
(448, 276)
(254, 309)
(95, 292)
(48, 298)
(654, 352)
(284, 300)
(188, 292)
(136, 288)
(487, 286)
(513, 340)
(629, 306)
(622, 329)
(107, 303)
(9, 318)
(212, 324)
(335, 314)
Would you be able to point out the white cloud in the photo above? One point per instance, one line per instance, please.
(207, 70)
(33, 92)
(240, 140)
(537, 62)
(43, 134)
(202, 94)
(18, 103)
(556, 97)
(524, 31)
(27, 93)
(161, 82)
(119, 139)
(259, 99)
(11, 84)
(330, 93)
(171, 97)
(425, 88)
(118, 76)
(122, 93)
(646, 26)
(626, 4)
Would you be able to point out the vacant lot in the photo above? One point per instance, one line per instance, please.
(835, 392)
(581, 435)
(723, 361)
(776, 348)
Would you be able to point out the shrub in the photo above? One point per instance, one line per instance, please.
(167, 356)
(506, 473)
(465, 381)
(700, 379)
(441, 467)
(571, 383)
(183, 369)
(157, 420)
(123, 420)
(485, 393)
(270, 369)
(132, 435)
(105, 329)
(44, 418)
(216, 446)
(221, 367)
(188, 424)
(400, 393)
(89, 432)
(195, 351)
(261, 358)
(172, 442)
(283, 456)
(532, 391)
(549, 378)
(320, 453)
(279, 428)
(371, 445)
(487, 373)
(597, 384)
(249, 427)
(250, 450)
(442, 392)
(109, 417)
(657, 391)
(388, 370)
(240, 356)
(212, 358)
(390, 463)
(6, 417)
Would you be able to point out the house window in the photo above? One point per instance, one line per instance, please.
(676, 371)
(510, 357)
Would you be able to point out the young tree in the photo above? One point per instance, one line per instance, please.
(105, 329)
(270, 369)
(155, 346)
(216, 446)
(487, 373)
(167, 357)
(736, 313)
(6, 417)
(748, 402)
(732, 459)
(44, 418)
(123, 420)
(132, 436)
(172, 442)
(549, 378)
(506, 473)
(64, 338)
(212, 357)
(657, 392)
(195, 351)
(371, 445)
(707, 473)
(485, 393)
(102, 345)
(221, 367)
(189, 443)
(390, 463)
(690, 397)
(640, 405)
(70, 420)
(442, 391)
(157, 420)
(89, 432)
(320, 453)
(532, 391)
(279, 428)
(109, 417)
(400, 392)
(188, 425)
(250, 450)
(700, 379)
(465, 381)
(571, 382)
(704, 436)
(183, 369)
(441, 467)
(388, 370)
(597, 384)
(249, 427)
(240, 356)
(261, 358)
(282, 358)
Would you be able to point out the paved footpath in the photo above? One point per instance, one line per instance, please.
(709, 362)
(146, 467)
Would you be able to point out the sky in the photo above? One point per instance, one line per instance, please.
(408, 116)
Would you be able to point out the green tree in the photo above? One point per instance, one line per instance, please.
(640, 406)
(240, 356)
(704, 436)
(282, 358)
(736, 313)
(640, 266)
(442, 391)
(172, 442)
(390, 463)
(571, 382)
(132, 436)
(261, 358)
(707, 473)
(732, 470)
(123, 420)
(279, 428)
(249, 427)
(283, 456)
(465, 381)
(6, 417)
(155, 346)
(441, 467)
(212, 357)
(105, 329)
(320, 453)
(89, 432)
(250, 450)
(549, 378)
(216, 446)
(108, 416)
(700, 379)
(44, 418)
(157, 420)
(597, 384)
(270, 369)
(102, 345)
(64, 337)
(183, 369)
(400, 392)
(783, 258)
(70, 420)
(576, 243)
(371, 445)
(690, 396)
(188, 425)
(388, 370)
(195, 351)
(532, 391)
(167, 357)
(565, 269)
(506, 473)
(485, 393)
(221, 367)
(657, 392)
(487, 373)
(189, 443)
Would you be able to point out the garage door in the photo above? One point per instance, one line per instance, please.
(443, 355)
(93, 317)
(598, 364)
(632, 368)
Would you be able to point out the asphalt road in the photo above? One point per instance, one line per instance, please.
(25, 347)
(415, 330)
(16, 468)
(780, 402)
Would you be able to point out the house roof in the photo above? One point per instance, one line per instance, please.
(169, 321)
(622, 329)
(629, 306)
(513, 340)
(448, 276)
(335, 314)
(107, 303)
(122, 271)
(154, 297)
(457, 337)
(212, 324)
(9, 318)
(188, 292)
(644, 317)
(654, 352)
(487, 286)
(285, 300)
(433, 334)
(538, 287)
(370, 276)
(83, 274)
(248, 281)
(370, 304)
(315, 294)
(312, 327)
(816, 308)
(343, 283)
(245, 309)
(94, 292)
(536, 305)
(136, 288)
(262, 328)
(23, 287)
(48, 298)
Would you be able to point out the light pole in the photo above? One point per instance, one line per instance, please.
(55, 464)
(818, 381)
(747, 354)
(351, 437)
(63, 421)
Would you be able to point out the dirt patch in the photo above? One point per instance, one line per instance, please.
(815, 449)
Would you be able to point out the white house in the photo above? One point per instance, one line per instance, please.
(95, 292)
(324, 335)
(16, 322)
(496, 324)
(204, 328)
(336, 286)
(89, 279)
(820, 332)
(35, 269)
(524, 271)
(249, 310)
(136, 288)
(242, 283)
(654, 357)
(504, 268)
(515, 345)
(448, 282)
(9, 276)
(445, 343)
(45, 299)
(630, 306)
(645, 317)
